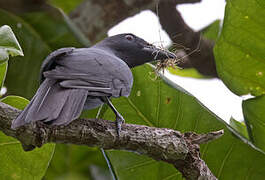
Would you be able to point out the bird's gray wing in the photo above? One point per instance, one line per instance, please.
(100, 73)
(50, 61)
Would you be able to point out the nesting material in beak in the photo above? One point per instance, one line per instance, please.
(171, 61)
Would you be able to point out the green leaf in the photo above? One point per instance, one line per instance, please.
(16, 101)
(8, 44)
(17, 164)
(154, 103)
(211, 31)
(239, 51)
(240, 127)
(253, 110)
(72, 160)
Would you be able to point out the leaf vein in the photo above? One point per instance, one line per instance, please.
(224, 161)
(9, 143)
(140, 164)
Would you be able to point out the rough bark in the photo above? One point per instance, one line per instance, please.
(181, 150)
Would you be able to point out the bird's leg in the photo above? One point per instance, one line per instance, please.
(119, 118)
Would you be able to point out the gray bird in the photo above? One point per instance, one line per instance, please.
(73, 79)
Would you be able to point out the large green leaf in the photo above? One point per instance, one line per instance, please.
(8, 44)
(15, 162)
(254, 113)
(239, 52)
(154, 103)
(240, 60)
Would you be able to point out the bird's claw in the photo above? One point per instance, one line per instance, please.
(119, 121)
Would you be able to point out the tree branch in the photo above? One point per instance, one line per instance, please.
(180, 150)
(198, 49)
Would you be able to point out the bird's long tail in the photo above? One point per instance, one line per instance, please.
(53, 104)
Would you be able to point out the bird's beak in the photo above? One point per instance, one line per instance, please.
(159, 54)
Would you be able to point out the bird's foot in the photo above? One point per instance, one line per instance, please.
(119, 121)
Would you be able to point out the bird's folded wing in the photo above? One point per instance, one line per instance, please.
(100, 73)
(49, 62)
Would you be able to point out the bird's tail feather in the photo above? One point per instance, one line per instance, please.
(72, 108)
(53, 104)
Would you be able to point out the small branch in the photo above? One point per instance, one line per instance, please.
(205, 138)
(181, 150)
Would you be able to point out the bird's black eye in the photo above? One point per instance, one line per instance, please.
(129, 37)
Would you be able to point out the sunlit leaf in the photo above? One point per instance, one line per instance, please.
(8, 44)
(239, 52)
(240, 127)
(240, 60)
(15, 101)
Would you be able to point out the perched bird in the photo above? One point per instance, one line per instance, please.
(73, 79)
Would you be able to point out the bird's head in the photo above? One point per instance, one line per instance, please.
(133, 50)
